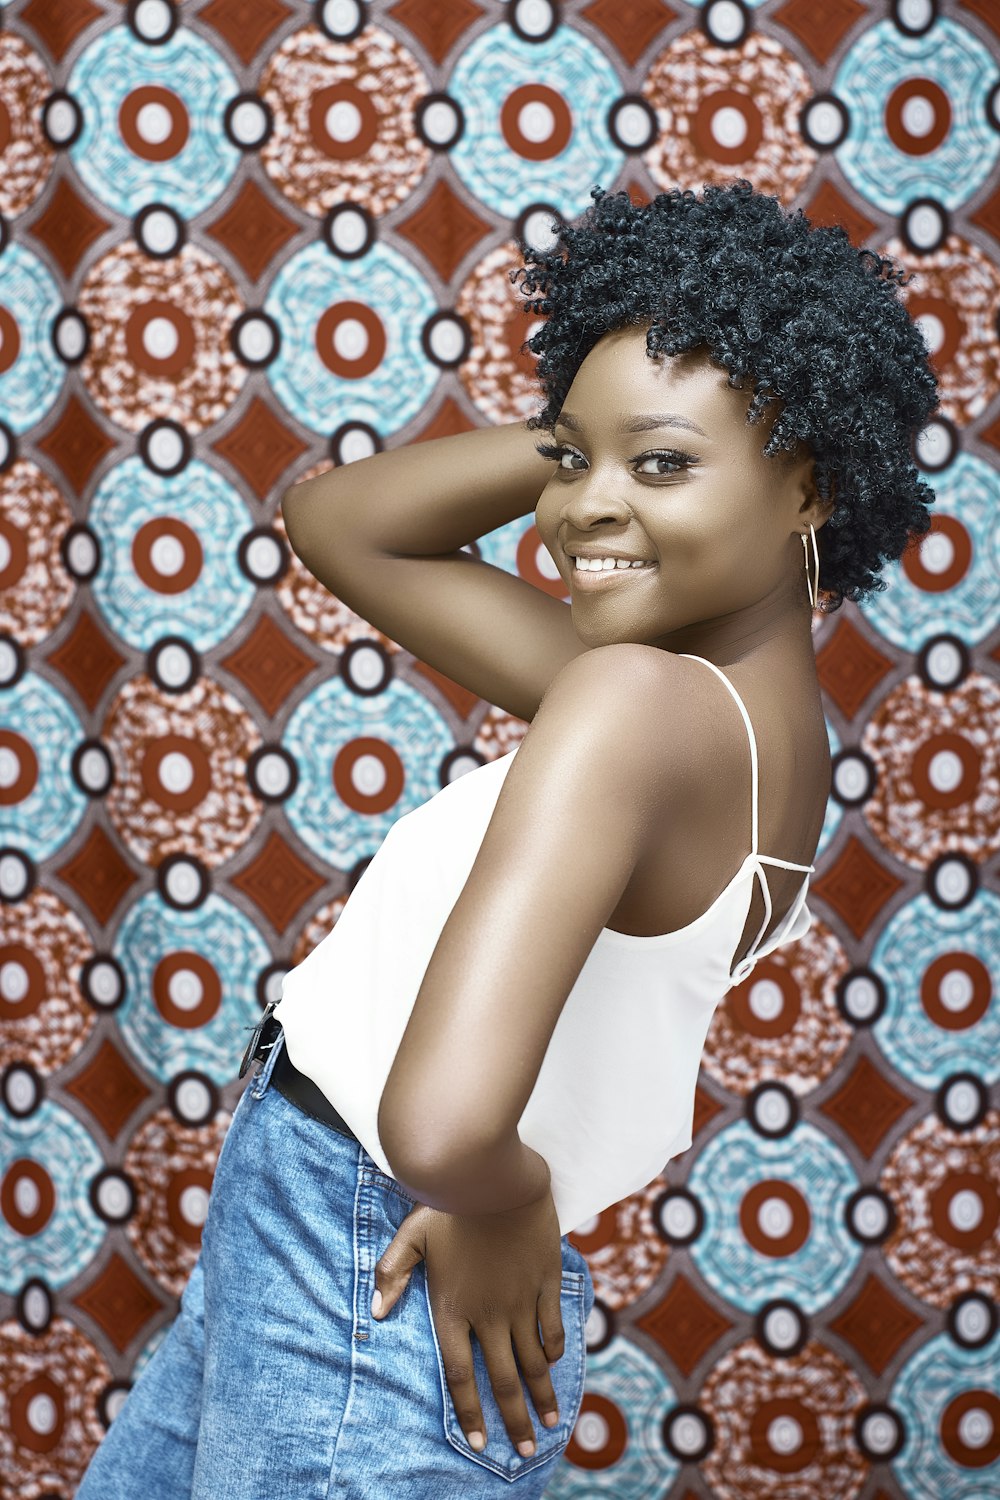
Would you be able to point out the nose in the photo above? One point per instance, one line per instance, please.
(591, 505)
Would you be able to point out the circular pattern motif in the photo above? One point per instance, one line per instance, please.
(534, 115)
(951, 581)
(937, 967)
(945, 1189)
(148, 106)
(190, 978)
(353, 785)
(938, 770)
(954, 298)
(180, 784)
(725, 113)
(335, 139)
(947, 1395)
(40, 802)
(782, 1427)
(904, 141)
(778, 1024)
(35, 588)
(758, 1226)
(339, 353)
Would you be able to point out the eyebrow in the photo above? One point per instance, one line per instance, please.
(637, 424)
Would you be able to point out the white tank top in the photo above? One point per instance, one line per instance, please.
(614, 1098)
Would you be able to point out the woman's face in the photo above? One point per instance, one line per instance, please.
(717, 523)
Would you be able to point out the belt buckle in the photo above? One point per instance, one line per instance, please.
(257, 1046)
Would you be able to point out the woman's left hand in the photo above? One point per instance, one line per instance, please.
(497, 1275)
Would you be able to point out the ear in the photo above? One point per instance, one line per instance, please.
(814, 510)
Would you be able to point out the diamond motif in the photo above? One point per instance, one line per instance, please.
(866, 1106)
(850, 668)
(119, 1303)
(857, 887)
(278, 881)
(268, 664)
(98, 874)
(109, 1088)
(876, 1324)
(684, 1324)
(76, 443)
(87, 660)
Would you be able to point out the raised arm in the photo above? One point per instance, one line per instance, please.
(584, 797)
(385, 534)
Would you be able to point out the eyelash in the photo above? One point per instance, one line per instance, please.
(675, 456)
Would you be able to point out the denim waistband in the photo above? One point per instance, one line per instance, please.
(303, 1092)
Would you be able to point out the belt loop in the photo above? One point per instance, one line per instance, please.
(263, 1078)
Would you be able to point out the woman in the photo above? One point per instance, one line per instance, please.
(501, 1035)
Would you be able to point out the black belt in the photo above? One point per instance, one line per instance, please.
(287, 1079)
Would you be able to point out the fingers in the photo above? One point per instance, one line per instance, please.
(550, 1320)
(498, 1351)
(536, 1365)
(395, 1265)
(456, 1354)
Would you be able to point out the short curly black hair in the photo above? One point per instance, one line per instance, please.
(799, 310)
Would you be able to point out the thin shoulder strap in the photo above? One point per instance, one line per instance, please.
(753, 742)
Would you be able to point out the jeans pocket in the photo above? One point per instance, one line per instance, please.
(567, 1375)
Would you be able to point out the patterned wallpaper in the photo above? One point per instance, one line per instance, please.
(243, 238)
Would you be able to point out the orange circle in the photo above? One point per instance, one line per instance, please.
(319, 107)
(179, 1183)
(186, 1019)
(10, 339)
(968, 1240)
(962, 1453)
(930, 991)
(21, 1169)
(201, 768)
(920, 88)
(18, 560)
(528, 569)
(510, 122)
(24, 1431)
(762, 1450)
(27, 776)
(701, 126)
(343, 782)
(963, 793)
(17, 953)
(128, 123)
(142, 555)
(138, 321)
(326, 328)
(610, 1413)
(742, 1014)
(949, 318)
(750, 1206)
(937, 583)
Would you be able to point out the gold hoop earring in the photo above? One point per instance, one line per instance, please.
(813, 587)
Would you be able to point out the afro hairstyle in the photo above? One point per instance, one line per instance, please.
(798, 310)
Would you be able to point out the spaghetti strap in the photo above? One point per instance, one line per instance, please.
(759, 860)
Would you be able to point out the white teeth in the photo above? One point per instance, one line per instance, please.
(606, 564)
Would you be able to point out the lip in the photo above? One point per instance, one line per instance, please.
(606, 578)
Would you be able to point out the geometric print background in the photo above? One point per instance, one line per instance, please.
(242, 241)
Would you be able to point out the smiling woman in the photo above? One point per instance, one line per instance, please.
(500, 1036)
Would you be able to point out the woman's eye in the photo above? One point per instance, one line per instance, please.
(556, 450)
(673, 458)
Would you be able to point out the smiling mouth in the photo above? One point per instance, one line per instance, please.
(594, 578)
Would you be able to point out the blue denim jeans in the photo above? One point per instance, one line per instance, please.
(275, 1379)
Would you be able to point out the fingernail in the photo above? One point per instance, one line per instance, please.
(550, 1418)
(477, 1441)
(526, 1449)
(376, 1302)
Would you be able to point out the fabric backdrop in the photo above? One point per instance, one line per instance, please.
(244, 238)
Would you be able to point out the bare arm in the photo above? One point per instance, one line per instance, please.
(385, 535)
(607, 752)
